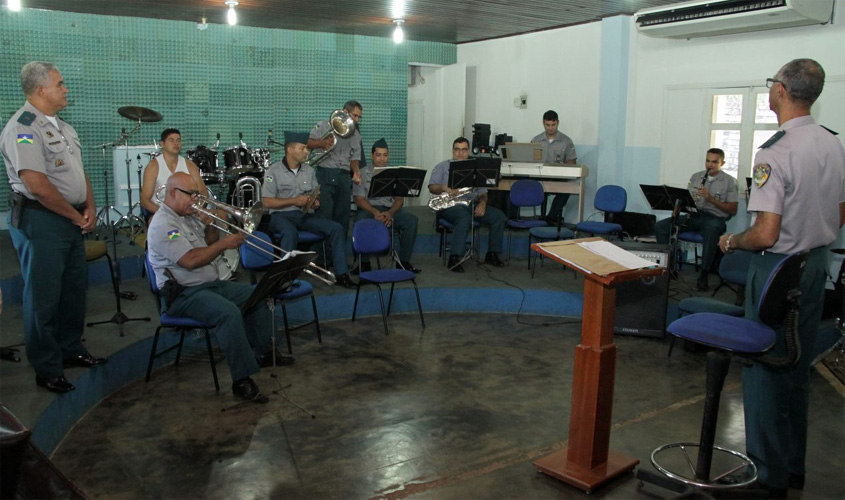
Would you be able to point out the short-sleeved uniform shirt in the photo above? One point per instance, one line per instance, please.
(364, 188)
(801, 177)
(29, 141)
(169, 237)
(440, 175)
(561, 150)
(345, 150)
(722, 186)
(282, 182)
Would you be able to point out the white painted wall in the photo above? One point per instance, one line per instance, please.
(557, 69)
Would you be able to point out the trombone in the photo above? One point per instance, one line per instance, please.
(249, 219)
(341, 125)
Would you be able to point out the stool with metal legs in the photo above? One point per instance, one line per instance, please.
(729, 336)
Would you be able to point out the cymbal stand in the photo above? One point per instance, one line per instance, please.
(103, 216)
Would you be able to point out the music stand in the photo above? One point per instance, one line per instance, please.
(481, 172)
(677, 200)
(396, 181)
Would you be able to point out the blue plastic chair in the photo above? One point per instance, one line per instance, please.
(610, 199)
(370, 236)
(728, 335)
(546, 233)
(178, 323)
(697, 239)
(525, 193)
(255, 260)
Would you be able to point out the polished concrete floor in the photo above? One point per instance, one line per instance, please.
(457, 410)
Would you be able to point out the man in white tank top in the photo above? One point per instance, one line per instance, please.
(166, 164)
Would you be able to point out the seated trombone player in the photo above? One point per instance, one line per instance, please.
(291, 193)
(181, 246)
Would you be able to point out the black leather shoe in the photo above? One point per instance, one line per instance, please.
(454, 264)
(266, 359)
(408, 267)
(365, 266)
(345, 281)
(247, 390)
(56, 384)
(493, 259)
(85, 361)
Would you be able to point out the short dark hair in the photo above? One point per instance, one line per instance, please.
(459, 140)
(803, 80)
(550, 116)
(716, 151)
(377, 145)
(352, 104)
(169, 131)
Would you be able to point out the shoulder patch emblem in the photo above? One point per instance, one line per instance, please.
(24, 138)
(773, 139)
(268, 178)
(26, 118)
(762, 171)
(173, 234)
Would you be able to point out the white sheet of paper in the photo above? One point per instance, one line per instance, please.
(612, 252)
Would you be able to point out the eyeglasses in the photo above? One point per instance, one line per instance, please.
(772, 81)
(192, 194)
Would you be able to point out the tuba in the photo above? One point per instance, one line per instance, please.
(247, 191)
(341, 125)
(247, 222)
(444, 200)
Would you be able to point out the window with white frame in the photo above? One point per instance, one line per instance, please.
(740, 121)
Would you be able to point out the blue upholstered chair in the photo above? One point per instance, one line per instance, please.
(181, 325)
(697, 240)
(310, 238)
(733, 273)
(525, 193)
(255, 260)
(728, 336)
(610, 199)
(370, 236)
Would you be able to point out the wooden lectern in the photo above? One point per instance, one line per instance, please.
(587, 462)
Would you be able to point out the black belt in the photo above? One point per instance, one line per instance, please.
(36, 205)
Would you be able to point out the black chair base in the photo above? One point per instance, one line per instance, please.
(386, 313)
(288, 329)
(178, 347)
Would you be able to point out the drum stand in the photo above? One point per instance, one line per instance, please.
(130, 216)
(103, 216)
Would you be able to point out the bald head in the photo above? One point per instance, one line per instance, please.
(180, 190)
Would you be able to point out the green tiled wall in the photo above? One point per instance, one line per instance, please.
(221, 80)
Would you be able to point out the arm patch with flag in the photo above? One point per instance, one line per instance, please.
(24, 138)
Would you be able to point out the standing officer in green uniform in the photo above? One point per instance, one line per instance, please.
(797, 203)
(52, 206)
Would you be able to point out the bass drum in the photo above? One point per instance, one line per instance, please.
(206, 160)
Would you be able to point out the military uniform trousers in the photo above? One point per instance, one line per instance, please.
(710, 226)
(461, 217)
(335, 195)
(285, 226)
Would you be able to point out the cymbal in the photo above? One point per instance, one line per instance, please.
(140, 114)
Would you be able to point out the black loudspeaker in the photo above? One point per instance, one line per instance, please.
(641, 304)
(480, 138)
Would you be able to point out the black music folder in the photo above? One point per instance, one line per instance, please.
(397, 181)
(278, 277)
(475, 172)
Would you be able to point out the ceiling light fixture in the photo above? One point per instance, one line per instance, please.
(202, 25)
(398, 34)
(398, 9)
(231, 16)
(14, 5)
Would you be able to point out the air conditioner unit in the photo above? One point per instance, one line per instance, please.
(721, 17)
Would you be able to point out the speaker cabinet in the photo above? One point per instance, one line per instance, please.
(641, 304)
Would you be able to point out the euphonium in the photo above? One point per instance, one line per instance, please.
(444, 200)
(341, 125)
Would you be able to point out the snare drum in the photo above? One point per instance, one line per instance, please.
(238, 160)
(206, 160)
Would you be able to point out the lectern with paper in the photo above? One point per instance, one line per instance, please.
(587, 462)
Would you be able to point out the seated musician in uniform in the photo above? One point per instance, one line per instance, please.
(460, 215)
(557, 148)
(287, 193)
(181, 247)
(385, 209)
(156, 176)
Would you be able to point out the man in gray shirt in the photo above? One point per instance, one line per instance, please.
(797, 204)
(181, 247)
(558, 148)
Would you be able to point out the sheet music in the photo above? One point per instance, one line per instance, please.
(618, 255)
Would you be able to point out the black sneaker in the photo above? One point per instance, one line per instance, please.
(454, 264)
(247, 389)
(345, 281)
(493, 259)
